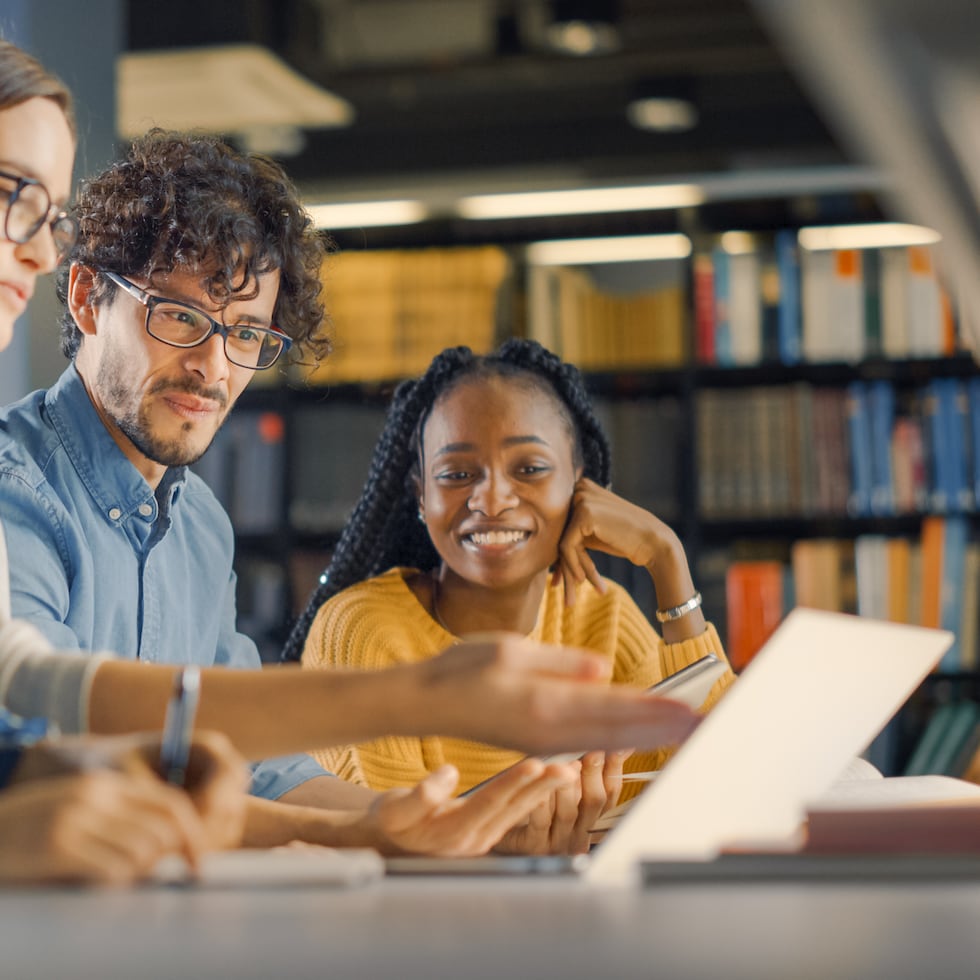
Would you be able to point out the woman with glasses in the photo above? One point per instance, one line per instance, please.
(82, 809)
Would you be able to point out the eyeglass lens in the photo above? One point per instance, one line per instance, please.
(28, 209)
(182, 326)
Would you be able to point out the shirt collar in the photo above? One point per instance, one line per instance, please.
(112, 480)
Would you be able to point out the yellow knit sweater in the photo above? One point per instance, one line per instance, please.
(381, 623)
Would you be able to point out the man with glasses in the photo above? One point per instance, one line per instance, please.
(167, 317)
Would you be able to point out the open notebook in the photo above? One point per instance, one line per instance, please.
(813, 698)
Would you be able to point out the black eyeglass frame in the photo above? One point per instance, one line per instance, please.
(217, 327)
(53, 216)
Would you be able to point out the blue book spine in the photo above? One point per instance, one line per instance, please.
(956, 533)
(723, 321)
(952, 471)
(938, 451)
(859, 450)
(881, 403)
(973, 407)
(960, 445)
(789, 318)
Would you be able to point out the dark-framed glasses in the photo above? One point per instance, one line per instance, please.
(27, 208)
(182, 325)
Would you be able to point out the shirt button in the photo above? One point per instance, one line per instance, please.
(146, 509)
(115, 513)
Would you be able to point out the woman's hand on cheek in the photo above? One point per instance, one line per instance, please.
(603, 521)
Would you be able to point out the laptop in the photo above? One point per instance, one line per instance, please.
(812, 699)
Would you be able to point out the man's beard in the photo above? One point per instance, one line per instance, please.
(133, 418)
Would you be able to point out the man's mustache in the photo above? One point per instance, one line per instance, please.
(190, 387)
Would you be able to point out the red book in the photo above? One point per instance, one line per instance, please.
(754, 598)
(704, 309)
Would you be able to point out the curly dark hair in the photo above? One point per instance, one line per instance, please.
(383, 530)
(23, 77)
(190, 202)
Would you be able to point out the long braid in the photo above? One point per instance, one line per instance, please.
(384, 530)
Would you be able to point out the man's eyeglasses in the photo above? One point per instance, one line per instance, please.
(28, 208)
(181, 325)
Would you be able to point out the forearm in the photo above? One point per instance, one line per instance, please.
(275, 711)
(674, 585)
(270, 824)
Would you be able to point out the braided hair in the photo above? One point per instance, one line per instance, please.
(383, 530)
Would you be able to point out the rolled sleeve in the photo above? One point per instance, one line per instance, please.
(273, 778)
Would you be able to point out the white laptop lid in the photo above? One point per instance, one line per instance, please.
(814, 697)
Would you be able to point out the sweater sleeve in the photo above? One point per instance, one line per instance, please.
(375, 625)
(36, 681)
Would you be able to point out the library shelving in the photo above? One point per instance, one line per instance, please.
(760, 441)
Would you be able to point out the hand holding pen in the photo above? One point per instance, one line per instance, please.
(178, 725)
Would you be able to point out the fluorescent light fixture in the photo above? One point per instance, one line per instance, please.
(367, 214)
(649, 197)
(883, 235)
(225, 89)
(625, 248)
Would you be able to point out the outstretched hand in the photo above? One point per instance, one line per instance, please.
(507, 690)
(429, 819)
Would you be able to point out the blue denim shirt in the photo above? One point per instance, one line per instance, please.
(98, 561)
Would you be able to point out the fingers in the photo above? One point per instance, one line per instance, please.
(428, 820)
(566, 838)
(559, 662)
(217, 780)
(96, 827)
(608, 718)
(612, 776)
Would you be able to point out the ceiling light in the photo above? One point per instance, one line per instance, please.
(230, 90)
(650, 197)
(663, 115)
(883, 235)
(625, 248)
(367, 214)
(583, 27)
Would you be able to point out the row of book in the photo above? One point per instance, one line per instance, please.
(601, 326)
(931, 581)
(778, 302)
(948, 744)
(391, 311)
(868, 449)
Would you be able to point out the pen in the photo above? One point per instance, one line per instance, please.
(178, 726)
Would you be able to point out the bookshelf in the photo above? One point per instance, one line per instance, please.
(715, 411)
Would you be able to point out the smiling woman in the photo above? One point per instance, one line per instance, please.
(486, 493)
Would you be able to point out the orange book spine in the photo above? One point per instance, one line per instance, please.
(933, 529)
